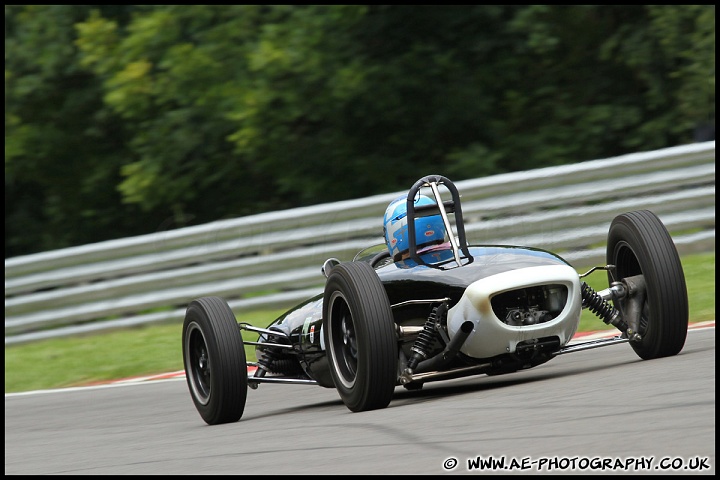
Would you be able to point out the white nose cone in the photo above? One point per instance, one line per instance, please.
(492, 335)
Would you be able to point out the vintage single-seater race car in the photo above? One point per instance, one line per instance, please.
(427, 306)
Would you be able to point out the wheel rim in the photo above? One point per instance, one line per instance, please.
(343, 341)
(627, 265)
(349, 345)
(198, 364)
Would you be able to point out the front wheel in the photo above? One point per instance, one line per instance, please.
(359, 334)
(639, 244)
(214, 359)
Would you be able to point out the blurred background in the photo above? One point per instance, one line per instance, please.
(124, 120)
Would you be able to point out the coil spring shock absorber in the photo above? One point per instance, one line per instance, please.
(597, 305)
(422, 344)
(272, 361)
(266, 361)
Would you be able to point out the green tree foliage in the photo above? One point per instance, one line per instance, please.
(63, 146)
(686, 37)
(126, 119)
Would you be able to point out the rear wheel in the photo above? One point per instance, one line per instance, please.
(360, 338)
(214, 359)
(381, 259)
(639, 244)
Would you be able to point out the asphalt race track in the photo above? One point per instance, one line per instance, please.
(601, 411)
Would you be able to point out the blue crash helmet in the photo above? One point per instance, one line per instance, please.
(428, 230)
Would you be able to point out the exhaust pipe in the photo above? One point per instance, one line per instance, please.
(451, 350)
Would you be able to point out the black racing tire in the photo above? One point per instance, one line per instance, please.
(380, 259)
(639, 243)
(359, 335)
(214, 359)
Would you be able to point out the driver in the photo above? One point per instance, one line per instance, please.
(429, 231)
